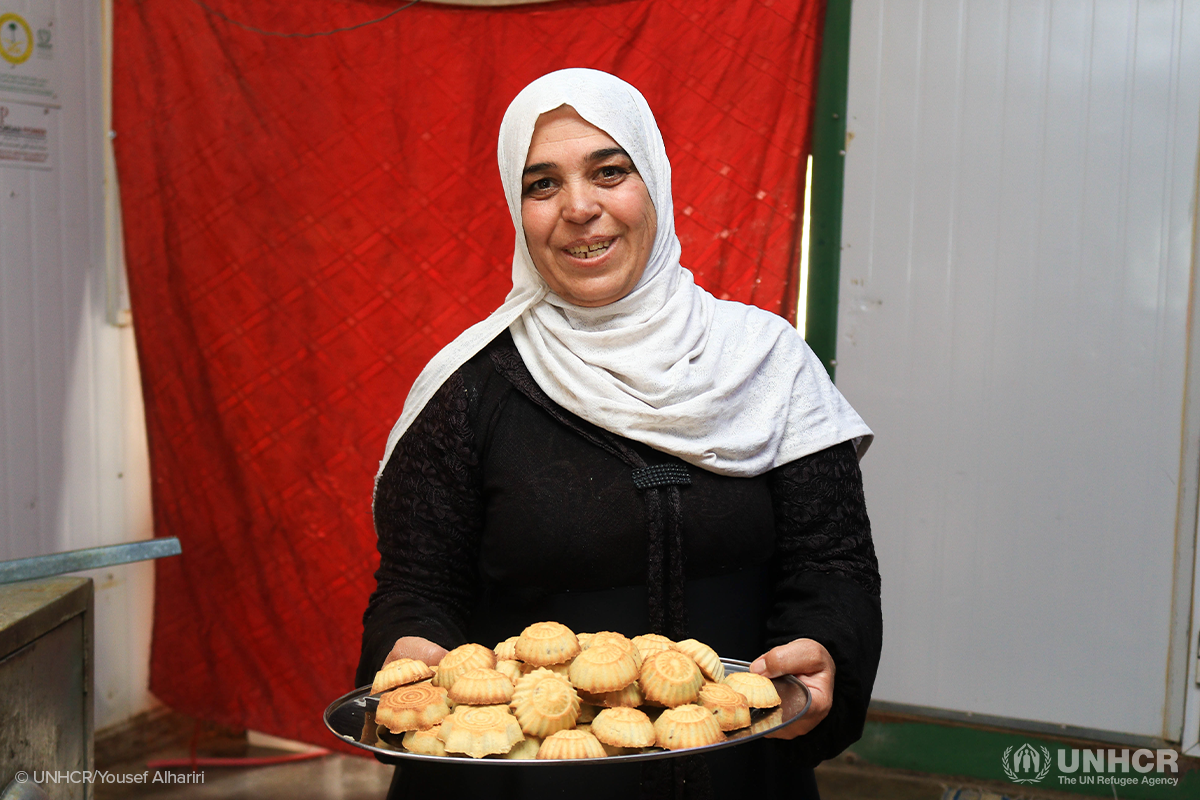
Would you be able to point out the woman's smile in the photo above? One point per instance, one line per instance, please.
(588, 219)
(588, 251)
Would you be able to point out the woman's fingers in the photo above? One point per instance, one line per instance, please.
(416, 647)
(811, 663)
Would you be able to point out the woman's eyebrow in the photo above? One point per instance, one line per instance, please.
(597, 155)
(541, 166)
(608, 152)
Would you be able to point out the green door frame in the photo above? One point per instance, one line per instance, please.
(828, 168)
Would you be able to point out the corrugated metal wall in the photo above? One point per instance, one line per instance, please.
(72, 441)
(1013, 324)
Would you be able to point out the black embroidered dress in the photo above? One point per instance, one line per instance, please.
(499, 508)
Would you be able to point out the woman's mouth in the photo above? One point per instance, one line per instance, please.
(592, 250)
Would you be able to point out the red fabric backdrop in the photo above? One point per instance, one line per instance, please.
(307, 220)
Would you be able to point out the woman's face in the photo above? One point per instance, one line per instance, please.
(588, 218)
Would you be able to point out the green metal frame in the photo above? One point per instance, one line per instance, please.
(829, 155)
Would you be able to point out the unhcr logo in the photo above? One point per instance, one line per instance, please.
(1076, 767)
(1027, 765)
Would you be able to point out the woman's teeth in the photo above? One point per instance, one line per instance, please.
(589, 250)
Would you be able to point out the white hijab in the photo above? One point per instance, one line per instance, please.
(730, 388)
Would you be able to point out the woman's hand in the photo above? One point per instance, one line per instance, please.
(416, 647)
(811, 663)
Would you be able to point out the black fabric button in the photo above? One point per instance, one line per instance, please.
(662, 475)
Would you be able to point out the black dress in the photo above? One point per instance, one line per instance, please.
(499, 508)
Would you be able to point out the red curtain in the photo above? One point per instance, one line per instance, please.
(309, 219)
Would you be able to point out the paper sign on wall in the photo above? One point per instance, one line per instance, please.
(28, 90)
(27, 57)
(26, 133)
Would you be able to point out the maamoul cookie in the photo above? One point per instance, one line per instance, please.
(571, 744)
(398, 673)
(757, 689)
(425, 743)
(603, 668)
(479, 731)
(772, 720)
(704, 656)
(670, 678)
(545, 703)
(510, 669)
(482, 687)
(526, 749)
(630, 697)
(507, 650)
(687, 726)
(412, 708)
(460, 660)
(727, 704)
(546, 643)
(649, 643)
(623, 727)
(621, 641)
(563, 669)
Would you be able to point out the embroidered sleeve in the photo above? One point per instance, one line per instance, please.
(428, 516)
(821, 518)
(827, 585)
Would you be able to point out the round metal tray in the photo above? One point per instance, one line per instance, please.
(352, 718)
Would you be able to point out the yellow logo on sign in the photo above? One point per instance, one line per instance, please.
(16, 39)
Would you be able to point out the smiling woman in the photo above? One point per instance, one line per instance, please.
(588, 218)
(611, 423)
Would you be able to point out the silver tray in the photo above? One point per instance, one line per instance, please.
(352, 718)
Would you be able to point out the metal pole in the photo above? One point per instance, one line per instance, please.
(27, 569)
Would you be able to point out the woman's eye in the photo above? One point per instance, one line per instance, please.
(612, 174)
(541, 186)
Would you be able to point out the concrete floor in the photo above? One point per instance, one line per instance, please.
(340, 777)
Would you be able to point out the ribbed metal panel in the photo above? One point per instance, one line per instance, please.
(1013, 324)
(72, 439)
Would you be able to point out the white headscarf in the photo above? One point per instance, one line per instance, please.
(730, 388)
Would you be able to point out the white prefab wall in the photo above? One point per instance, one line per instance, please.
(73, 465)
(1016, 273)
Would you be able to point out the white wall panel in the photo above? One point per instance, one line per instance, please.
(73, 464)
(1016, 269)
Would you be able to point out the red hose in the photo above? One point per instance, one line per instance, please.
(250, 761)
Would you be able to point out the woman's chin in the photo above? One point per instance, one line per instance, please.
(589, 286)
(594, 293)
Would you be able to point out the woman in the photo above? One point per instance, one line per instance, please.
(615, 449)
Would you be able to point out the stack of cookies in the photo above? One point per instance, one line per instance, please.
(552, 694)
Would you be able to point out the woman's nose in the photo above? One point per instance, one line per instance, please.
(580, 203)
